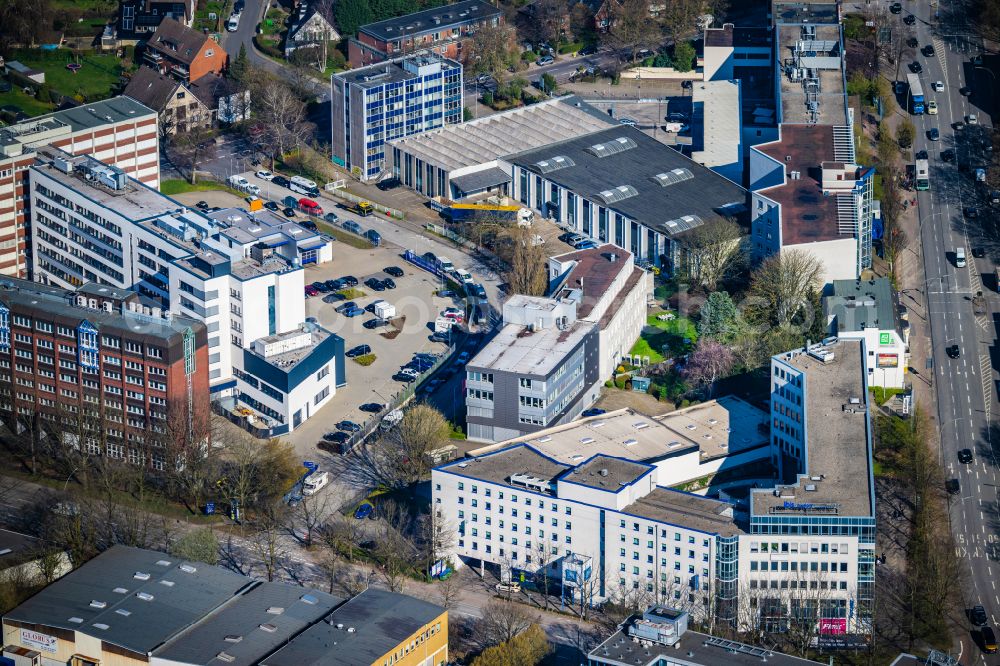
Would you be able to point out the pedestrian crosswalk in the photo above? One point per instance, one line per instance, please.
(986, 374)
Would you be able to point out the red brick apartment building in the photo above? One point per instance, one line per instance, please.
(100, 371)
(443, 30)
(117, 131)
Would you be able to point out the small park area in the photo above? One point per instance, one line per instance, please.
(665, 336)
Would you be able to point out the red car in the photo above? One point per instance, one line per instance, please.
(309, 206)
(311, 290)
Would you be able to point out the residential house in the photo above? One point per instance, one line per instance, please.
(443, 30)
(184, 53)
(139, 18)
(178, 108)
(309, 28)
(226, 104)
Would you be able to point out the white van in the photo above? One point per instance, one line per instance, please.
(444, 263)
(239, 182)
(233, 23)
(315, 482)
(960, 257)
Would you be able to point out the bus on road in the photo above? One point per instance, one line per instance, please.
(923, 179)
(916, 93)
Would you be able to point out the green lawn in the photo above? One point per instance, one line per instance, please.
(659, 334)
(201, 20)
(178, 186)
(95, 80)
(26, 103)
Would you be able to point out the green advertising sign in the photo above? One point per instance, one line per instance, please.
(885, 338)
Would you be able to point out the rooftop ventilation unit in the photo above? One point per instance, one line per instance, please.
(640, 425)
(309, 599)
(98, 604)
(672, 177)
(233, 638)
(530, 482)
(619, 145)
(121, 590)
(140, 575)
(226, 657)
(163, 563)
(76, 620)
(617, 194)
(187, 568)
(269, 628)
(630, 442)
(586, 440)
(275, 610)
(101, 626)
(542, 440)
(123, 612)
(167, 583)
(145, 596)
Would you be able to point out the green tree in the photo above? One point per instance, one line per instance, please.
(684, 55)
(526, 649)
(198, 545)
(905, 133)
(352, 14)
(549, 83)
(719, 317)
(238, 70)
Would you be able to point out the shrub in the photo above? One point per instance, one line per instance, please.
(365, 359)
(608, 384)
(488, 98)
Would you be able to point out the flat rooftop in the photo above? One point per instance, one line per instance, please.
(390, 71)
(807, 216)
(830, 97)
(696, 649)
(132, 598)
(78, 119)
(246, 228)
(360, 632)
(518, 350)
(285, 361)
(596, 272)
(608, 473)
(715, 119)
(632, 173)
(250, 625)
(134, 201)
(60, 302)
(431, 20)
(716, 428)
(692, 511)
(838, 442)
(861, 304)
(479, 142)
(498, 466)
(739, 37)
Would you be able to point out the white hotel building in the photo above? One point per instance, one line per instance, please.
(605, 528)
(240, 274)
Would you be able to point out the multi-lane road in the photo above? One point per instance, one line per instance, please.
(964, 386)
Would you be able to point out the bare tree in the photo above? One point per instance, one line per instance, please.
(491, 50)
(713, 251)
(189, 149)
(449, 592)
(782, 284)
(306, 519)
(526, 262)
(680, 18)
(502, 621)
(282, 115)
(546, 20)
(267, 546)
(631, 27)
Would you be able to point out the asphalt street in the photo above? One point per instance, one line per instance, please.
(964, 385)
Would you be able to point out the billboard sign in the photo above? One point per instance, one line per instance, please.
(832, 626)
(38, 640)
(888, 361)
(885, 338)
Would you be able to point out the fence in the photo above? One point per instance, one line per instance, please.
(337, 190)
(396, 401)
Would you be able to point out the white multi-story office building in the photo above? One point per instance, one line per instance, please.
(239, 273)
(604, 527)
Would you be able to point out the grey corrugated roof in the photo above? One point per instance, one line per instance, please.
(437, 19)
(480, 180)
(97, 114)
(380, 619)
(236, 627)
(671, 210)
(89, 595)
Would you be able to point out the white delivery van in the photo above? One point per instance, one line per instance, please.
(234, 23)
(385, 310)
(315, 482)
(525, 217)
(444, 263)
(960, 257)
(443, 324)
(239, 182)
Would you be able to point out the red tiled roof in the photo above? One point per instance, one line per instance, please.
(595, 268)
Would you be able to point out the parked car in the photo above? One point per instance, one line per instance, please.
(320, 287)
(272, 206)
(953, 486)
(933, 134)
(264, 174)
(463, 358)
(332, 218)
(587, 50)
(372, 324)
(349, 281)
(333, 285)
(311, 290)
(372, 407)
(978, 616)
(374, 284)
(352, 226)
(476, 290)
(201, 205)
(394, 271)
(593, 411)
(916, 67)
(338, 437)
(928, 52)
(388, 184)
(353, 312)
(374, 237)
(280, 180)
(289, 212)
(360, 350)
(389, 283)
(308, 224)
(896, 8)
(404, 377)
(628, 121)
(545, 60)
(344, 307)
(909, 19)
(453, 313)
(366, 510)
(310, 207)
(965, 456)
(938, 86)
(932, 108)
(348, 426)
